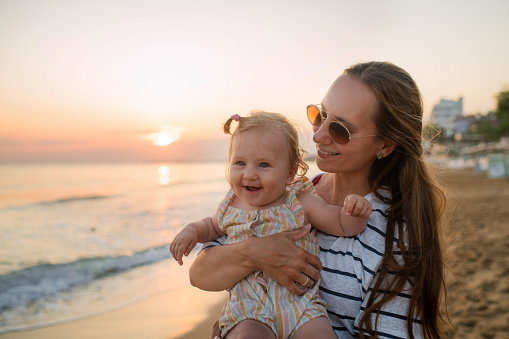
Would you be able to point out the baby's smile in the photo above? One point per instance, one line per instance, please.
(252, 188)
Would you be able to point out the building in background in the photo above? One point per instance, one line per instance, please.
(448, 115)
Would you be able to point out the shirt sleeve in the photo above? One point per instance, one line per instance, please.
(218, 242)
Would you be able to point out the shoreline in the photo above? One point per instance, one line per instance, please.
(168, 315)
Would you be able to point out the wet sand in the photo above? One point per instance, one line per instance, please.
(162, 316)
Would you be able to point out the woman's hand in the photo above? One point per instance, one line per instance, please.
(282, 260)
(221, 267)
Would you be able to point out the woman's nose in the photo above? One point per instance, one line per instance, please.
(321, 135)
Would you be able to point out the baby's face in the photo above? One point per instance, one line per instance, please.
(260, 168)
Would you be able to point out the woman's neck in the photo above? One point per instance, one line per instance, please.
(335, 187)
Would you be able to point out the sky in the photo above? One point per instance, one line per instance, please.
(100, 80)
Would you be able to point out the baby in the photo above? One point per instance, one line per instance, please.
(266, 198)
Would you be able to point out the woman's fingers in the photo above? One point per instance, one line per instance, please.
(299, 233)
(306, 284)
(282, 260)
(307, 257)
(290, 275)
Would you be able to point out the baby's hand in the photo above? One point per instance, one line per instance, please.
(357, 206)
(183, 243)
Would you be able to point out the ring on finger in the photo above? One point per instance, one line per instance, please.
(305, 282)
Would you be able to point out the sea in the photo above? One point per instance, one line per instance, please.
(80, 239)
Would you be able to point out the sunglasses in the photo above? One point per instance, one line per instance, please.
(338, 132)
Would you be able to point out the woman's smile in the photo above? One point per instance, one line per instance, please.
(325, 153)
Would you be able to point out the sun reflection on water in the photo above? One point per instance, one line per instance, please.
(164, 175)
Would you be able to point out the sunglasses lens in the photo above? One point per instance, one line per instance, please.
(314, 116)
(339, 133)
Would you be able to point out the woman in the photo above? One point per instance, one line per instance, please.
(387, 282)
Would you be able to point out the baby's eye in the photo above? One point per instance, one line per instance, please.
(264, 165)
(240, 163)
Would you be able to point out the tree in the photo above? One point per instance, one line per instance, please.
(494, 125)
(502, 113)
(489, 130)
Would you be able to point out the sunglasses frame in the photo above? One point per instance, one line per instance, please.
(336, 121)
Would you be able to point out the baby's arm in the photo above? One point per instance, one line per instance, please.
(344, 221)
(202, 231)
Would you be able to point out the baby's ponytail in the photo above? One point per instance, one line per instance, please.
(227, 124)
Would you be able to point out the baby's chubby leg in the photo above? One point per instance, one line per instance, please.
(317, 328)
(251, 329)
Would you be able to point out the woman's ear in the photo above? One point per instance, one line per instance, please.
(387, 147)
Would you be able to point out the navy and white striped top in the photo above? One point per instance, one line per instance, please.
(350, 268)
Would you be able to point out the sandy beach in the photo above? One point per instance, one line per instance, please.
(167, 315)
(477, 279)
(478, 275)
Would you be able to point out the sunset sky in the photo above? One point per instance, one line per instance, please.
(96, 80)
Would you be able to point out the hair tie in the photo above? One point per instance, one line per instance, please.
(236, 117)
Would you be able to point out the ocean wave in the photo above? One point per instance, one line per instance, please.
(55, 201)
(25, 286)
(72, 199)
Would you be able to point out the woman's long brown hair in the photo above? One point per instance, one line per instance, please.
(417, 203)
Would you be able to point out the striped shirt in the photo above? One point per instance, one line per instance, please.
(350, 268)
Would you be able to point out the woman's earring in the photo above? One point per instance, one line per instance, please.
(380, 156)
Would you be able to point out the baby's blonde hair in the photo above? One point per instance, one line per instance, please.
(277, 123)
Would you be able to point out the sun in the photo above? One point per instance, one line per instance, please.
(166, 136)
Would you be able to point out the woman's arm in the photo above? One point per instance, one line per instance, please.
(220, 267)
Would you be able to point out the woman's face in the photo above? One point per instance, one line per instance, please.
(353, 104)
